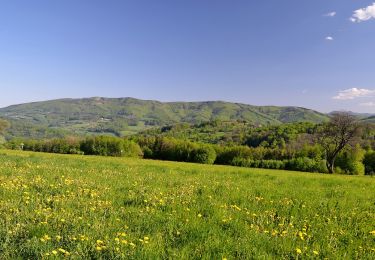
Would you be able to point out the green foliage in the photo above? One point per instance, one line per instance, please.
(369, 162)
(110, 146)
(265, 164)
(102, 145)
(97, 145)
(287, 146)
(131, 149)
(171, 149)
(124, 116)
(227, 155)
(25, 129)
(277, 136)
(310, 151)
(204, 154)
(237, 133)
(297, 164)
(334, 136)
(350, 160)
(306, 165)
(63, 146)
(4, 124)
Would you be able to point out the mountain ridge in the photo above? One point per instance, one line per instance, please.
(124, 116)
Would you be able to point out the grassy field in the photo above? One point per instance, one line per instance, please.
(54, 206)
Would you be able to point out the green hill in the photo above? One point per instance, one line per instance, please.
(124, 116)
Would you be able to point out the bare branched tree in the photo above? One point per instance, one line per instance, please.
(342, 130)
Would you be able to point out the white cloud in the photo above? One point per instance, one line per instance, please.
(353, 93)
(331, 14)
(368, 104)
(363, 14)
(329, 38)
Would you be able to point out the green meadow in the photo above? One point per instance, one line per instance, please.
(79, 207)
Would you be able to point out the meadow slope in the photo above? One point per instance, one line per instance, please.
(114, 208)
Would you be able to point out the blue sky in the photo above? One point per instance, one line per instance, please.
(317, 54)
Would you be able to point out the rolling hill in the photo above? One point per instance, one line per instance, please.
(124, 116)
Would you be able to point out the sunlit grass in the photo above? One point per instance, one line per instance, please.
(96, 207)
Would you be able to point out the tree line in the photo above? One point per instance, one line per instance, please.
(342, 145)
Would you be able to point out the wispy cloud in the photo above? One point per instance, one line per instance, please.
(367, 104)
(353, 93)
(329, 38)
(331, 14)
(363, 14)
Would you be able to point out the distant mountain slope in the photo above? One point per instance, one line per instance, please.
(360, 116)
(370, 119)
(122, 116)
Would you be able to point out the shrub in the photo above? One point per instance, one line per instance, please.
(227, 155)
(204, 154)
(369, 163)
(110, 146)
(306, 164)
(147, 152)
(131, 149)
(350, 161)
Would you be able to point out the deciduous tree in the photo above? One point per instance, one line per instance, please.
(334, 136)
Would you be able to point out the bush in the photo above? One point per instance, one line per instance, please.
(63, 146)
(204, 154)
(110, 146)
(306, 164)
(369, 163)
(164, 148)
(350, 160)
(131, 149)
(227, 155)
(15, 144)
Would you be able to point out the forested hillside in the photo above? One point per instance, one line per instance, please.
(234, 133)
(124, 116)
